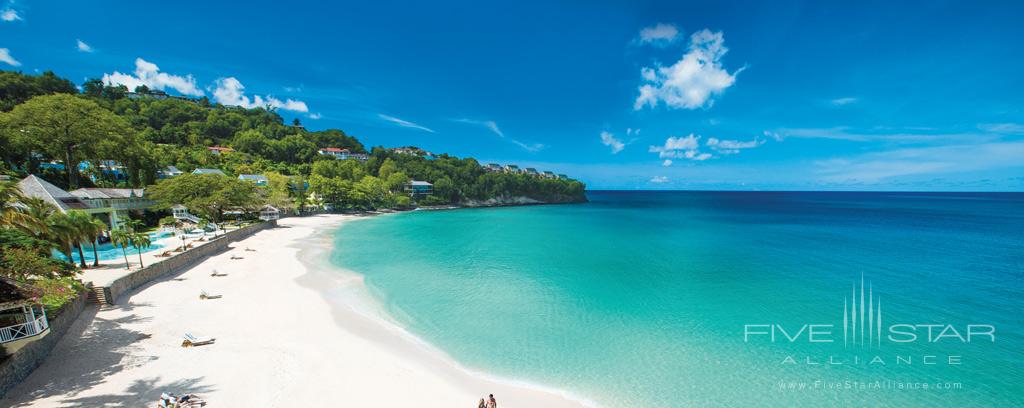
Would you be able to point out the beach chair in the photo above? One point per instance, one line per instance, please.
(165, 254)
(192, 341)
(203, 295)
(234, 257)
(217, 274)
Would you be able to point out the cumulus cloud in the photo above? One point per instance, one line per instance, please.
(5, 57)
(493, 127)
(659, 34)
(9, 15)
(732, 146)
(609, 140)
(666, 163)
(681, 148)
(314, 116)
(693, 81)
(148, 74)
(843, 101)
(83, 47)
(659, 179)
(405, 123)
(230, 91)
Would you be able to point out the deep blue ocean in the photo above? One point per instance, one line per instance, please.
(671, 298)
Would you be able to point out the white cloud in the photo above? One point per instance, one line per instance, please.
(493, 127)
(404, 123)
(659, 34)
(1002, 127)
(843, 101)
(83, 47)
(148, 74)
(666, 163)
(609, 140)
(873, 168)
(314, 116)
(659, 179)
(9, 15)
(230, 91)
(693, 81)
(681, 148)
(731, 146)
(5, 57)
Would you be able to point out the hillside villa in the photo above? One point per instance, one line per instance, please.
(419, 188)
(208, 171)
(342, 154)
(259, 179)
(219, 149)
(168, 172)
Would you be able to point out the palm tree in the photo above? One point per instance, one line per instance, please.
(82, 225)
(61, 230)
(14, 211)
(140, 240)
(122, 238)
(98, 226)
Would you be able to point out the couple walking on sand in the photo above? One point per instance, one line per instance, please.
(490, 402)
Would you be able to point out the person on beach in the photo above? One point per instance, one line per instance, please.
(492, 403)
(482, 404)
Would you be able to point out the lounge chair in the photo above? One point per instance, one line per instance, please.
(250, 249)
(165, 254)
(192, 341)
(203, 295)
(217, 274)
(233, 257)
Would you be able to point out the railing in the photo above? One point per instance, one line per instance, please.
(20, 331)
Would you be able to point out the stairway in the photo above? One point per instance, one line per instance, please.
(99, 295)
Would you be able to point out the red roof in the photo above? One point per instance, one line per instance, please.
(334, 150)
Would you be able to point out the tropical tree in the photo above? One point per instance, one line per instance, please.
(95, 230)
(61, 230)
(140, 240)
(64, 126)
(122, 238)
(82, 229)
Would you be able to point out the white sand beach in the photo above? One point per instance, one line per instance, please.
(279, 343)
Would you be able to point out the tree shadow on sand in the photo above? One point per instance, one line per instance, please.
(65, 372)
(142, 393)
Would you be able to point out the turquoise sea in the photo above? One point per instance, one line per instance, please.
(643, 298)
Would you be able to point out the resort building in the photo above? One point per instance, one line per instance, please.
(511, 168)
(110, 203)
(531, 171)
(550, 175)
(493, 167)
(343, 154)
(419, 188)
(168, 172)
(180, 212)
(219, 149)
(119, 201)
(259, 179)
(22, 318)
(208, 171)
(269, 213)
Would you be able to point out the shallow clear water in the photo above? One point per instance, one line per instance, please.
(641, 298)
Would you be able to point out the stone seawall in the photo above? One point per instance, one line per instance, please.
(179, 261)
(19, 365)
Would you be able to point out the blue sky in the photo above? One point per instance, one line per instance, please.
(624, 95)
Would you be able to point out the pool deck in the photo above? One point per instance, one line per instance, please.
(112, 269)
